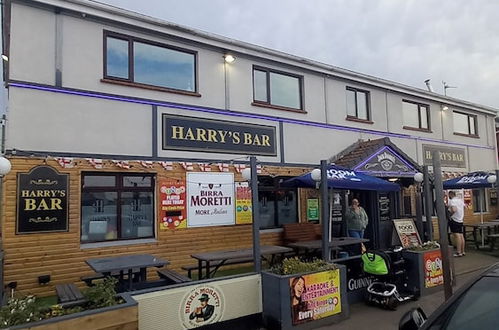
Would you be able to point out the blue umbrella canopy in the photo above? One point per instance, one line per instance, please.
(343, 178)
(469, 181)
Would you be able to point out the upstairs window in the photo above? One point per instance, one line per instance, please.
(116, 207)
(416, 115)
(277, 89)
(465, 124)
(140, 62)
(358, 104)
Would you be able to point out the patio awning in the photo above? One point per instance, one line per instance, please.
(343, 178)
(469, 181)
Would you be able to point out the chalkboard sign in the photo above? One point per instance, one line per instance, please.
(42, 201)
(384, 207)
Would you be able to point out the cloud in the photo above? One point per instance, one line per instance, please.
(405, 41)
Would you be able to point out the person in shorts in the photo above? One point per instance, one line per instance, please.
(456, 210)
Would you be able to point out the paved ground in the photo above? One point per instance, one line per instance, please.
(367, 317)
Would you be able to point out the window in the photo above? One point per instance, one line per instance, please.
(278, 89)
(465, 123)
(146, 63)
(277, 206)
(416, 115)
(116, 207)
(480, 201)
(357, 104)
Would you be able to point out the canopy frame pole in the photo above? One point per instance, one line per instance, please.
(428, 196)
(442, 224)
(255, 212)
(326, 255)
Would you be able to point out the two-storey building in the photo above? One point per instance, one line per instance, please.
(111, 113)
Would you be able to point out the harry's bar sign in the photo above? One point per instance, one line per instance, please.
(42, 201)
(449, 157)
(194, 134)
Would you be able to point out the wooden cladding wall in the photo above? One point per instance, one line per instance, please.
(60, 254)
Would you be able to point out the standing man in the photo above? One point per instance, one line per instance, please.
(456, 210)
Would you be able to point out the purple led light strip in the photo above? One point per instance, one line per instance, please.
(378, 152)
(234, 114)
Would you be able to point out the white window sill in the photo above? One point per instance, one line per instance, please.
(97, 245)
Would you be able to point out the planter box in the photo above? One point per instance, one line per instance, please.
(424, 270)
(123, 316)
(324, 300)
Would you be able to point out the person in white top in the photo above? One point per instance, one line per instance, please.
(456, 210)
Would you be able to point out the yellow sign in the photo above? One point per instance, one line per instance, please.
(243, 203)
(315, 296)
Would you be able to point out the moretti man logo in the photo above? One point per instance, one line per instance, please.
(201, 306)
(195, 134)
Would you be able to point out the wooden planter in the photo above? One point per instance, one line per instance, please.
(325, 298)
(123, 316)
(424, 270)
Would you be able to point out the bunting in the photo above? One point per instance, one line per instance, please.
(187, 166)
(95, 162)
(146, 163)
(122, 163)
(65, 162)
(167, 165)
(203, 167)
(239, 167)
(222, 167)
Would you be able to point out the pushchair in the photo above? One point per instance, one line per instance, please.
(390, 287)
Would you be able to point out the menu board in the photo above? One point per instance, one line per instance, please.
(407, 232)
(336, 207)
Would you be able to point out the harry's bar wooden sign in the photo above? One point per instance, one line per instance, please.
(208, 135)
(42, 201)
(449, 157)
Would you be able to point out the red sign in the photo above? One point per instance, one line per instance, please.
(172, 204)
(434, 274)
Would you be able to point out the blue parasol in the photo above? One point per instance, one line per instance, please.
(343, 178)
(472, 180)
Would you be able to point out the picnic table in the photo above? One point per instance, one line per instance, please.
(475, 227)
(335, 244)
(221, 257)
(126, 264)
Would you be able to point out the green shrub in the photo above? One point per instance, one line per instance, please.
(103, 294)
(296, 266)
(19, 311)
(430, 245)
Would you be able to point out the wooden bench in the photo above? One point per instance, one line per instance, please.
(68, 295)
(215, 265)
(297, 232)
(172, 276)
(492, 240)
(88, 279)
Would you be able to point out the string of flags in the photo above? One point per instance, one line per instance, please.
(97, 163)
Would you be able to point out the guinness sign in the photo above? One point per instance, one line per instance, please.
(42, 201)
(194, 134)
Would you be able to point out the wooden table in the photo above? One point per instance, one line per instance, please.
(481, 226)
(126, 264)
(221, 257)
(336, 242)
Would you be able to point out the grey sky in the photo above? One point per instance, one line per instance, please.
(406, 41)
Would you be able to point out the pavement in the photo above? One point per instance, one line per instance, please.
(369, 318)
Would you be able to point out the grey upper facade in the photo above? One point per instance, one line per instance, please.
(70, 93)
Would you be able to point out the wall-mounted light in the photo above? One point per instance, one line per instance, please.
(5, 166)
(316, 176)
(418, 177)
(5, 58)
(491, 179)
(43, 279)
(229, 58)
(445, 108)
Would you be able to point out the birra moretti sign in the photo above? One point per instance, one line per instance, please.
(210, 198)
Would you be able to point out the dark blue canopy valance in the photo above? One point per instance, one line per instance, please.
(343, 178)
(469, 181)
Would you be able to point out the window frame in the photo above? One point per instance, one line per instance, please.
(267, 103)
(477, 209)
(428, 116)
(469, 115)
(130, 80)
(356, 118)
(119, 188)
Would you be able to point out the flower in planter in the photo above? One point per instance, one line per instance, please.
(430, 245)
